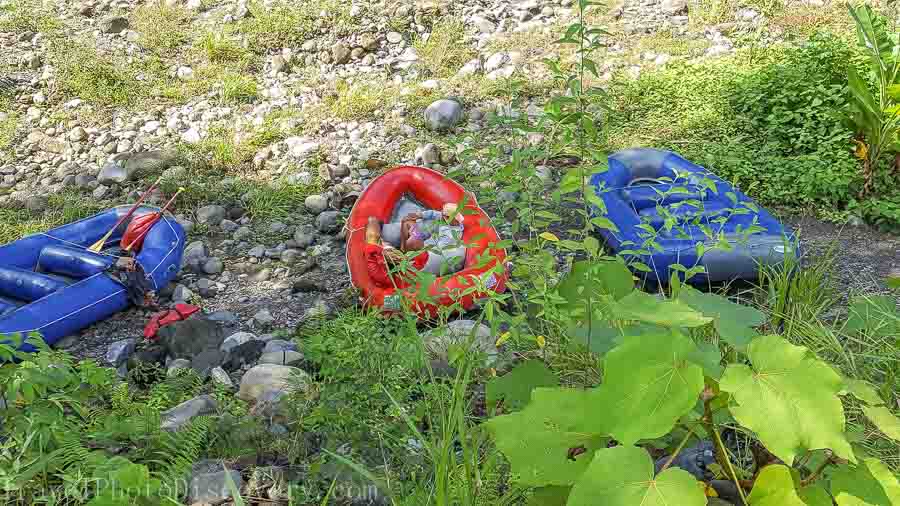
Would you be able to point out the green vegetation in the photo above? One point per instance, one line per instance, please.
(221, 47)
(286, 24)
(8, 124)
(24, 16)
(163, 28)
(445, 51)
(61, 208)
(84, 73)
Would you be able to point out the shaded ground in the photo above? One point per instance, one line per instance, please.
(863, 256)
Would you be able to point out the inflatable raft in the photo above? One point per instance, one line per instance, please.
(51, 284)
(484, 261)
(690, 212)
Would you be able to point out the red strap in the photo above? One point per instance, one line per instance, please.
(161, 319)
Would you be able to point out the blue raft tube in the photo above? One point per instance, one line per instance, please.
(689, 213)
(52, 285)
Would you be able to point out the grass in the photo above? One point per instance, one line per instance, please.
(286, 24)
(163, 28)
(222, 149)
(445, 51)
(102, 80)
(221, 47)
(23, 16)
(358, 100)
(238, 88)
(8, 127)
(61, 209)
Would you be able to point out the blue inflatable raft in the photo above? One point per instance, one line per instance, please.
(670, 211)
(51, 284)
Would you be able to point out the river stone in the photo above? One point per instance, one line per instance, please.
(130, 166)
(119, 351)
(277, 345)
(281, 357)
(210, 215)
(212, 487)
(328, 221)
(443, 114)
(176, 417)
(114, 24)
(236, 339)
(316, 203)
(271, 378)
(187, 338)
(438, 341)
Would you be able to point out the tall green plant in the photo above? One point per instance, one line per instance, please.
(875, 115)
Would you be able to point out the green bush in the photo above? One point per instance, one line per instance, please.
(770, 125)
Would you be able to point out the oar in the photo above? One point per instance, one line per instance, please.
(97, 247)
(152, 221)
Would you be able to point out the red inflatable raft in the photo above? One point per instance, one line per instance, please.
(484, 260)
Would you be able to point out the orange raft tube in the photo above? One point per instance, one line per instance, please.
(484, 260)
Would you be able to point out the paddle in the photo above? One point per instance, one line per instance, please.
(143, 224)
(97, 247)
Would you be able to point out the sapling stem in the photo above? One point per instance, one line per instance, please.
(677, 450)
(721, 452)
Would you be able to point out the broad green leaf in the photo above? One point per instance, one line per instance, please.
(815, 495)
(709, 357)
(623, 476)
(874, 314)
(886, 422)
(515, 387)
(789, 398)
(599, 337)
(869, 483)
(648, 384)
(604, 223)
(550, 496)
(596, 282)
(647, 308)
(774, 487)
(862, 390)
(537, 440)
(733, 321)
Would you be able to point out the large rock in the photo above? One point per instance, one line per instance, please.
(328, 221)
(443, 114)
(187, 338)
(124, 167)
(119, 351)
(340, 53)
(181, 414)
(209, 482)
(281, 357)
(210, 215)
(438, 341)
(236, 339)
(316, 203)
(243, 355)
(114, 24)
(266, 379)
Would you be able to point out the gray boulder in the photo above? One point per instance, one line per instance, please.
(187, 338)
(438, 341)
(281, 357)
(328, 221)
(119, 351)
(443, 114)
(315, 204)
(275, 345)
(181, 414)
(236, 339)
(114, 24)
(124, 167)
(209, 482)
(265, 379)
(210, 215)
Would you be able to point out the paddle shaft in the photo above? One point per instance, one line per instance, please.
(156, 218)
(97, 246)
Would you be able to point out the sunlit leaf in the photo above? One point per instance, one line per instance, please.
(549, 236)
(862, 390)
(774, 487)
(644, 307)
(549, 496)
(733, 321)
(868, 483)
(709, 357)
(648, 384)
(623, 476)
(789, 398)
(886, 422)
(537, 440)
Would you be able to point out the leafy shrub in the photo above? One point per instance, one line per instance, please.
(23, 16)
(771, 125)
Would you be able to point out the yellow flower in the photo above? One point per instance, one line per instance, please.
(862, 150)
(541, 341)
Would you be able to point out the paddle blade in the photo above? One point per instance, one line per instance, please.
(97, 247)
(134, 235)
